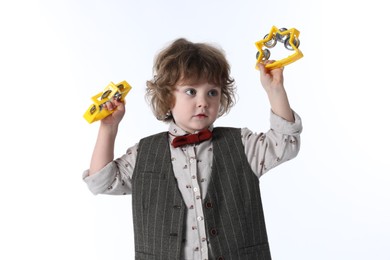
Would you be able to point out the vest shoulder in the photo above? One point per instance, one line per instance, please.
(153, 136)
(226, 129)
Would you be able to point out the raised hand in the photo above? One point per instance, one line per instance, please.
(117, 115)
(270, 79)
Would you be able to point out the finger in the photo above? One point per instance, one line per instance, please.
(119, 104)
(109, 105)
(259, 65)
(278, 70)
(269, 61)
(263, 69)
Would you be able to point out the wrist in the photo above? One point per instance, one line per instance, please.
(110, 129)
(276, 92)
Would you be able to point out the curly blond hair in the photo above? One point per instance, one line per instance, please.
(187, 62)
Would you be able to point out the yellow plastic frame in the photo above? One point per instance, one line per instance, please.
(95, 112)
(294, 34)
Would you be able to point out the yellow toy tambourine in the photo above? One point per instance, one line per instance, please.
(95, 112)
(289, 38)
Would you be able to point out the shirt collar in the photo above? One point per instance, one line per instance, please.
(175, 130)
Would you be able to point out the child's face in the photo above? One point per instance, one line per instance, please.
(196, 106)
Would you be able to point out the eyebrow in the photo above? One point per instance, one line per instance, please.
(195, 86)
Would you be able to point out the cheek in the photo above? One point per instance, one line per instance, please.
(217, 103)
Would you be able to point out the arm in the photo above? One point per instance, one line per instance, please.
(279, 144)
(103, 152)
(272, 81)
(282, 142)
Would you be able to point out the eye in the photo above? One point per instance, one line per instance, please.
(190, 92)
(213, 93)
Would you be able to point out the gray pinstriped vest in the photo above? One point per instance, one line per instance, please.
(233, 210)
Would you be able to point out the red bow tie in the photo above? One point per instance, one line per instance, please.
(192, 138)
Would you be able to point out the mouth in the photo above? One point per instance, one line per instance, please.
(201, 116)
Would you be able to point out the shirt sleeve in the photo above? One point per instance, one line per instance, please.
(280, 144)
(115, 177)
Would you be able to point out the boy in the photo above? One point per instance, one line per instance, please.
(195, 189)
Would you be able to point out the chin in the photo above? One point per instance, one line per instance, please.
(202, 128)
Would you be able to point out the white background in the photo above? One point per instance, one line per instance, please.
(331, 202)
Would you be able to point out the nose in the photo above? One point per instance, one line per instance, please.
(202, 101)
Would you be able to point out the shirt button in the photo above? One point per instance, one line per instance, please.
(213, 232)
(195, 189)
(200, 218)
(192, 160)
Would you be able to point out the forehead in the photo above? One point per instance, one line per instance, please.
(197, 85)
(197, 78)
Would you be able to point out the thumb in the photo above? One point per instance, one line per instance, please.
(261, 67)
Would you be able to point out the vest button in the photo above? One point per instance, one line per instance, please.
(208, 205)
(213, 232)
(220, 258)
